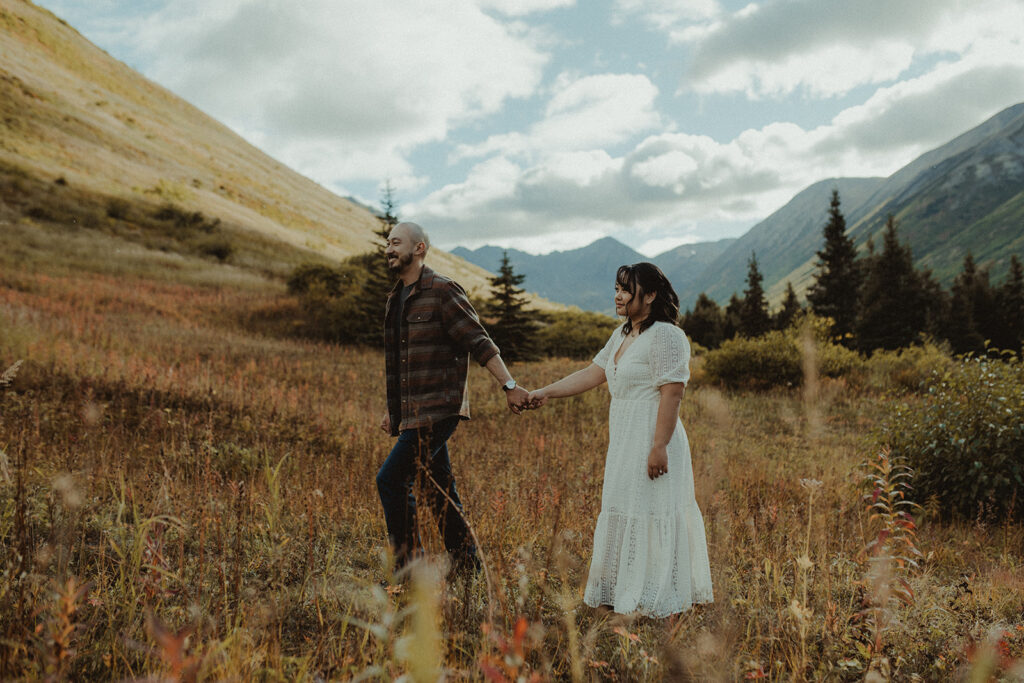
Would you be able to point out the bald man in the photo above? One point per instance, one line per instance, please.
(430, 332)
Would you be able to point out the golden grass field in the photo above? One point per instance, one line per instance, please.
(183, 497)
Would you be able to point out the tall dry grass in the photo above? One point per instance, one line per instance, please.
(184, 499)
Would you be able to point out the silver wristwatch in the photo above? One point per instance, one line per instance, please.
(509, 385)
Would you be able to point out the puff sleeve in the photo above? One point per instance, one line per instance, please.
(604, 356)
(669, 355)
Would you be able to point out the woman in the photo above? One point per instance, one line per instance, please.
(650, 553)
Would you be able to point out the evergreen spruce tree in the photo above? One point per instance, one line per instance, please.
(705, 323)
(754, 318)
(963, 330)
(892, 311)
(377, 280)
(1010, 299)
(790, 309)
(731, 322)
(513, 327)
(937, 306)
(838, 276)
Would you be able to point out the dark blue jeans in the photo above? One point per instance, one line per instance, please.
(419, 456)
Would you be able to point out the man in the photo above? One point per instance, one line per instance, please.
(430, 331)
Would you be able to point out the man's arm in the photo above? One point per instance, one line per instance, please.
(516, 398)
(463, 326)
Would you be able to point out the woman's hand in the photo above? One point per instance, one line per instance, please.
(537, 398)
(657, 462)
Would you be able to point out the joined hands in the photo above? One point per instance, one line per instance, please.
(520, 399)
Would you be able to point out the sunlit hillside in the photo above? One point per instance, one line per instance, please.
(71, 112)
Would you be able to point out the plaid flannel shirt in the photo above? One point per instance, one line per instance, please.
(426, 367)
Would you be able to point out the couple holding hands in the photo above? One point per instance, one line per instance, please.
(650, 553)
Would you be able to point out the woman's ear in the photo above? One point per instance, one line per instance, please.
(649, 298)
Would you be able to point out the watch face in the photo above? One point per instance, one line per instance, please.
(510, 385)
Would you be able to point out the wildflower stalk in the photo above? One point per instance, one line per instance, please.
(893, 551)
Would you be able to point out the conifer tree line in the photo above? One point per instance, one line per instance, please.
(876, 300)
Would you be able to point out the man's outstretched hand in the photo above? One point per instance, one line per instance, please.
(517, 399)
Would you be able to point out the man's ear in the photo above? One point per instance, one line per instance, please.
(421, 249)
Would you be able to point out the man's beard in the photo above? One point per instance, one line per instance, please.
(399, 265)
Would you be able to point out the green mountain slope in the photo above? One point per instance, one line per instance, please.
(963, 196)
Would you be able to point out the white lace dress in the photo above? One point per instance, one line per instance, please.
(650, 552)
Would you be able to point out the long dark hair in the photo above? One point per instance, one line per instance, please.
(647, 278)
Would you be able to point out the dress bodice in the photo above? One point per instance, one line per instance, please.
(660, 355)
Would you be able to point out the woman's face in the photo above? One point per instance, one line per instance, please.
(630, 305)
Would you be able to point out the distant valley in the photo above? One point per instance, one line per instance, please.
(964, 196)
(585, 277)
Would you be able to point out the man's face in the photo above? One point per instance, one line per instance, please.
(400, 250)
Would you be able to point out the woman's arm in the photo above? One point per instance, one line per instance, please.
(668, 415)
(576, 383)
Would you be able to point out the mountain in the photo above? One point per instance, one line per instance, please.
(86, 141)
(684, 264)
(583, 277)
(783, 243)
(967, 195)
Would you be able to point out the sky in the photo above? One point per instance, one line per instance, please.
(547, 124)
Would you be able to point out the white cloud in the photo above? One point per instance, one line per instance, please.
(583, 113)
(830, 47)
(668, 14)
(518, 8)
(825, 71)
(903, 121)
(362, 80)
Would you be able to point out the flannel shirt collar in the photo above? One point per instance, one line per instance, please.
(426, 281)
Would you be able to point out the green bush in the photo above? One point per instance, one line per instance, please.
(776, 359)
(760, 363)
(219, 248)
(905, 370)
(574, 334)
(312, 276)
(965, 439)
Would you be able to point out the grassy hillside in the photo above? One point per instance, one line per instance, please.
(122, 147)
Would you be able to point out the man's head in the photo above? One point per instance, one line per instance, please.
(407, 246)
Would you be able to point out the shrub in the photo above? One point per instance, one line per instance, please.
(574, 334)
(117, 208)
(776, 358)
(965, 439)
(217, 247)
(311, 276)
(760, 363)
(910, 369)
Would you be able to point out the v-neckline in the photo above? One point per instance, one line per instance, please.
(620, 352)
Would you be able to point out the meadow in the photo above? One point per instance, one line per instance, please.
(187, 493)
